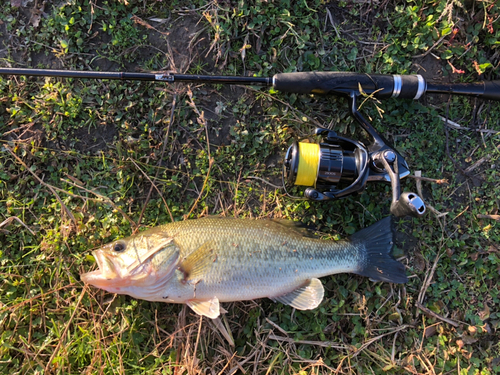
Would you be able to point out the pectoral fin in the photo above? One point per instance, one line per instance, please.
(209, 308)
(307, 297)
(197, 264)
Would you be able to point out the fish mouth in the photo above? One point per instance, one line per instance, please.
(112, 276)
(105, 273)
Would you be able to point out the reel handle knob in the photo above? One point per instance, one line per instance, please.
(408, 204)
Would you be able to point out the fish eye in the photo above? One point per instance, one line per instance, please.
(119, 247)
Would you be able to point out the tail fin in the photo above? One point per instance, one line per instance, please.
(379, 264)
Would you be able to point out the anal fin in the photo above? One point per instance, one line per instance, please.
(307, 297)
(209, 308)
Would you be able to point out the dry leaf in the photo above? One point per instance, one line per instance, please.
(485, 314)
(35, 18)
(419, 262)
(455, 70)
(472, 329)
(476, 66)
(492, 249)
(430, 331)
(486, 328)
(474, 256)
(467, 340)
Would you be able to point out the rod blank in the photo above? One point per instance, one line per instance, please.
(166, 77)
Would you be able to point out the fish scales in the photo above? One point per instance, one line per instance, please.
(253, 259)
(207, 261)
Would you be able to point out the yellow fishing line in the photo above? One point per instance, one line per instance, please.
(308, 164)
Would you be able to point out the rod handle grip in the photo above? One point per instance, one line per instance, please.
(491, 90)
(336, 83)
(382, 86)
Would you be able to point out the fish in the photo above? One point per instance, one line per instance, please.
(204, 262)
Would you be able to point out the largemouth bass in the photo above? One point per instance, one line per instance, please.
(207, 261)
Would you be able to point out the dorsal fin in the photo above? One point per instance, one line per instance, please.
(216, 217)
(296, 226)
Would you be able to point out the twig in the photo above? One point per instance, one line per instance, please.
(103, 197)
(369, 342)
(264, 181)
(480, 216)
(147, 25)
(63, 336)
(276, 326)
(196, 344)
(393, 351)
(240, 364)
(329, 16)
(293, 109)
(314, 363)
(430, 49)
(156, 188)
(419, 179)
(174, 102)
(447, 148)
(222, 329)
(324, 344)
(428, 279)
(66, 209)
(477, 164)
(425, 362)
(454, 125)
(201, 120)
(428, 179)
(12, 218)
(451, 124)
(227, 364)
(461, 213)
(436, 315)
(26, 126)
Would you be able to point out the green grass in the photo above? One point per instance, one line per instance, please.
(78, 159)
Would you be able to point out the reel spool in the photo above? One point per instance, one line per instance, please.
(337, 165)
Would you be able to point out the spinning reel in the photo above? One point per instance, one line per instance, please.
(338, 167)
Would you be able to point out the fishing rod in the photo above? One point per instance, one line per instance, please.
(335, 167)
(381, 86)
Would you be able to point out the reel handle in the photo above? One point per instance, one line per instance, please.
(402, 204)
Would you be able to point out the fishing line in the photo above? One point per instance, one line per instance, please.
(308, 164)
